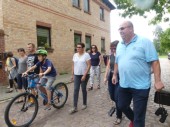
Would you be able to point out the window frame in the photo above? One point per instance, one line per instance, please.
(90, 41)
(103, 49)
(102, 14)
(88, 2)
(76, 6)
(49, 34)
(75, 44)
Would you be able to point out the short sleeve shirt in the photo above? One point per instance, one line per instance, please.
(32, 59)
(44, 66)
(134, 62)
(95, 59)
(80, 64)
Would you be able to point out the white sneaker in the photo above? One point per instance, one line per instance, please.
(73, 110)
(84, 107)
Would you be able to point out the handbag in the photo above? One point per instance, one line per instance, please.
(162, 97)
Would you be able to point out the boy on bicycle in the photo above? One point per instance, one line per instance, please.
(47, 74)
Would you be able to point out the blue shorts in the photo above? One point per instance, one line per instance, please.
(32, 83)
(47, 81)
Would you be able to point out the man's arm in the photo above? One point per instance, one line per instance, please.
(157, 75)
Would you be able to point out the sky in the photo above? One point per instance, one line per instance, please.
(141, 26)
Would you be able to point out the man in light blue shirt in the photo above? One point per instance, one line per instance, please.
(134, 59)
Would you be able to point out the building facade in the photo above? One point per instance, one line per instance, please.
(57, 25)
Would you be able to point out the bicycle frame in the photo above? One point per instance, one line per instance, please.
(43, 95)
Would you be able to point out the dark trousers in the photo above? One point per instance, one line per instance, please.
(113, 91)
(140, 98)
(77, 83)
(11, 82)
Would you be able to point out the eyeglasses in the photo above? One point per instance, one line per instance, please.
(79, 47)
(93, 48)
(122, 28)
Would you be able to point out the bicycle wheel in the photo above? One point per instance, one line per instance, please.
(59, 95)
(21, 114)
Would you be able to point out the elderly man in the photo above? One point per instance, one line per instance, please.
(134, 59)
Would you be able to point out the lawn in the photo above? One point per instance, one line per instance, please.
(163, 56)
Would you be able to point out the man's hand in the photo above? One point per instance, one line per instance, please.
(159, 85)
(114, 79)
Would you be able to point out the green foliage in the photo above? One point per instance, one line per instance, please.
(165, 41)
(161, 7)
(157, 45)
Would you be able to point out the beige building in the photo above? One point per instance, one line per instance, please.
(55, 24)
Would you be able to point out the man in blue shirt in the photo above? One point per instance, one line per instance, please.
(135, 56)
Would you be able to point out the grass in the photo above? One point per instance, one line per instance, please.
(163, 56)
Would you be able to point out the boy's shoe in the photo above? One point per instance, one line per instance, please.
(84, 107)
(47, 107)
(73, 110)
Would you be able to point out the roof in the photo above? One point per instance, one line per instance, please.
(109, 4)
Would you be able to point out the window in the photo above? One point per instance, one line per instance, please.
(102, 45)
(43, 37)
(77, 39)
(88, 42)
(101, 13)
(86, 6)
(76, 3)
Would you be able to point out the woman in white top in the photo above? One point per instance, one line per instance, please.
(80, 75)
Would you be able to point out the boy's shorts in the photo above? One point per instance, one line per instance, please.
(47, 81)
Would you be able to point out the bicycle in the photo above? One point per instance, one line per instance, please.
(16, 112)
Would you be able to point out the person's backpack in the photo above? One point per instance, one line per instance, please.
(16, 61)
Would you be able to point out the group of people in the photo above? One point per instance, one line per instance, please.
(128, 73)
(34, 62)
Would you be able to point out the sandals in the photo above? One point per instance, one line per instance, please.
(117, 121)
(90, 88)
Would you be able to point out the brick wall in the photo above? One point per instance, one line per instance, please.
(21, 16)
(2, 49)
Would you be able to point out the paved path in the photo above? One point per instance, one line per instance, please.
(96, 113)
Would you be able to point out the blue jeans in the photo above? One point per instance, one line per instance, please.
(140, 98)
(113, 91)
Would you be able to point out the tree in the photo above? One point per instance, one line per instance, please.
(165, 40)
(157, 32)
(161, 7)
